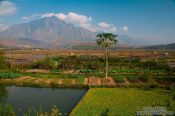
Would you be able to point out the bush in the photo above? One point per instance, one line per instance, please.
(46, 63)
(118, 78)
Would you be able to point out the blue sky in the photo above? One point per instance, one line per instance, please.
(144, 19)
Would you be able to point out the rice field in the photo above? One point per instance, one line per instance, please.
(119, 101)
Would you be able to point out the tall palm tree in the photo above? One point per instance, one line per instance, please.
(106, 40)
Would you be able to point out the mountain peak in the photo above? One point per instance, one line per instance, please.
(48, 31)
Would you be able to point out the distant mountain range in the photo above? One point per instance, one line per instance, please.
(165, 46)
(51, 32)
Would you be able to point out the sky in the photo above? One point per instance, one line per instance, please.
(144, 19)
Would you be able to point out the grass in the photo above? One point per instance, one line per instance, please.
(119, 101)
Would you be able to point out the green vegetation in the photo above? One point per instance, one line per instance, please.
(119, 101)
(2, 60)
(118, 78)
(8, 110)
(9, 75)
(74, 69)
(46, 63)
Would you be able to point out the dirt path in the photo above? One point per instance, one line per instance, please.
(36, 71)
(99, 81)
(24, 78)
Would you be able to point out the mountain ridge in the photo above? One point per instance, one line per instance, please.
(48, 31)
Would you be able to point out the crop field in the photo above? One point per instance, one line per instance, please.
(120, 101)
(139, 67)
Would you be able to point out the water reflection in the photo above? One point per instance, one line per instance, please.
(23, 98)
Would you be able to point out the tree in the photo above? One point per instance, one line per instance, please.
(106, 40)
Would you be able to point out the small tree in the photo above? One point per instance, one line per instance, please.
(106, 40)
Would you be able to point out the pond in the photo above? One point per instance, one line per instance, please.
(23, 98)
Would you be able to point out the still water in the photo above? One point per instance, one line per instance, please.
(23, 98)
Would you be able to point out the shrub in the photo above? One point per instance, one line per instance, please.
(118, 78)
(46, 63)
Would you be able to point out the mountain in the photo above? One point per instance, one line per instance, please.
(165, 46)
(51, 32)
(46, 32)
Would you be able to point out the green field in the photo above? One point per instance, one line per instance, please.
(119, 101)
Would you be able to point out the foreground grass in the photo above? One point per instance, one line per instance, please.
(119, 101)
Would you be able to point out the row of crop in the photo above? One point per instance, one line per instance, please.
(9, 75)
(131, 78)
(136, 71)
(85, 70)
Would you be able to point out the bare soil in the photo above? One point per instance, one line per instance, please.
(99, 81)
(36, 71)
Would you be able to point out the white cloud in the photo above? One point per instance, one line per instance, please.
(7, 7)
(102, 26)
(125, 28)
(32, 17)
(73, 18)
(3, 27)
(78, 20)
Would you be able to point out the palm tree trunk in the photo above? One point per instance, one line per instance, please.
(106, 62)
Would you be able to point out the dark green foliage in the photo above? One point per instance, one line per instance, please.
(166, 46)
(6, 110)
(3, 64)
(47, 63)
(76, 76)
(151, 64)
(54, 71)
(106, 39)
(133, 78)
(105, 112)
(118, 78)
(9, 75)
(89, 64)
(86, 71)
